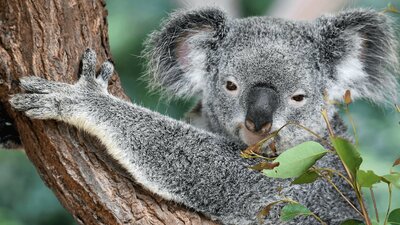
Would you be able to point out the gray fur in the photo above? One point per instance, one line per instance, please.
(194, 53)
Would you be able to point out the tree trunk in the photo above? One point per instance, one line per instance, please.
(47, 38)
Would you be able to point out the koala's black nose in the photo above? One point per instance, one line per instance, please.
(261, 105)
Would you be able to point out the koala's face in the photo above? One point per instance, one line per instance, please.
(263, 82)
(255, 75)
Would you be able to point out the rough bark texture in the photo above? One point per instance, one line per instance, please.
(47, 38)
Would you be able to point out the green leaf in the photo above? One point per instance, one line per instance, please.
(374, 222)
(391, 8)
(307, 177)
(352, 222)
(393, 178)
(297, 160)
(290, 211)
(348, 153)
(367, 179)
(394, 217)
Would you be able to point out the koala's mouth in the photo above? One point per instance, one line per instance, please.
(249, 137)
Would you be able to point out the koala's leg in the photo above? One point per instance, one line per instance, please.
(169, 157)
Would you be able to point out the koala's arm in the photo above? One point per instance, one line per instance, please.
(171, 158)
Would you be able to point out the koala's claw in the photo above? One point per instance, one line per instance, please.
(89, 68)
(106, 71)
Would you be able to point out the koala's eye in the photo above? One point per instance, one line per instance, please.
(298, 98)
(230, 86)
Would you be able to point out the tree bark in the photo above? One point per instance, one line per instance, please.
(47, 38)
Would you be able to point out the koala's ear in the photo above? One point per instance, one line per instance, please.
(178, 54)
(360, 50)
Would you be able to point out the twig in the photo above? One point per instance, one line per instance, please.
(362, 205)
(374, 201)
(318, 218)
(325, 116)
(390, 204)
(347, 111)
(273, 134)
(336, 172)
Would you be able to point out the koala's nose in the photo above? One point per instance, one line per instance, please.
(252, 127)
(261, 105)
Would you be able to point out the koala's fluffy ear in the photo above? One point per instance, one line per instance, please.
(360, 50)
(178, 54)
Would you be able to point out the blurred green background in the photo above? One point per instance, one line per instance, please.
(24, 199)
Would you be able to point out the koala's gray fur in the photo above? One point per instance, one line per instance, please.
(194, 54)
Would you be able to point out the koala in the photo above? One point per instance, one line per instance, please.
(251, 76)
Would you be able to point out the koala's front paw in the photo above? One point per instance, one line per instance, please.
(46, 99)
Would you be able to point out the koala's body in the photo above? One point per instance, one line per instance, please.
(252, 76)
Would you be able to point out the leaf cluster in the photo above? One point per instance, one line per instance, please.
(299, 163)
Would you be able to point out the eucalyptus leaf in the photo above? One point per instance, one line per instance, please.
(297, 160)
(391, 8)
(290, 211)
(348, 153)
(352, 222)
(307, 177)
(393, 178)
(367, 178)
(394, 217)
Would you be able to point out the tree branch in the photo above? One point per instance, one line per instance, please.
(47, 38)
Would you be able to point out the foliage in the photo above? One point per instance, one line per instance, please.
(292, 210)
(300, 162)
(394, 217)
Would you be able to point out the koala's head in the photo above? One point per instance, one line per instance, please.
(254, 75)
